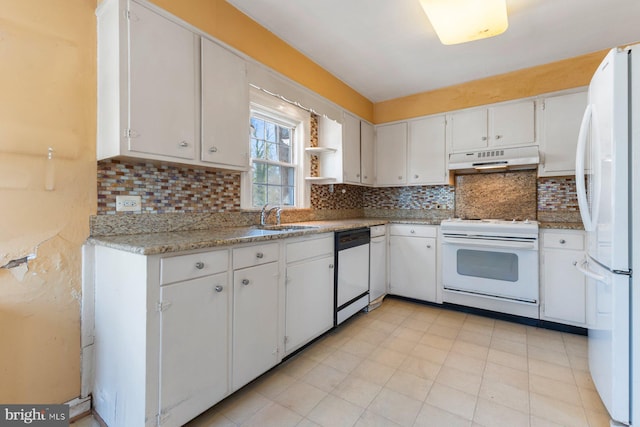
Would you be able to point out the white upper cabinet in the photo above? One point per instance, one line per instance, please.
(225, 107)
(162, 85)
(150, 104)
(503, 125)
(367, 153)
(351, 150)
(427, 151)
(561, 117)
(391, 154)
(357, 151)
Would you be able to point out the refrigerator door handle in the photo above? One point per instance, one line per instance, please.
(582, 268)
(581, 152)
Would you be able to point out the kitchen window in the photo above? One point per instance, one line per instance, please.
(279, 132)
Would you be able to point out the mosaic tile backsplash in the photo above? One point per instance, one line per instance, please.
(557, 194)
(167, 188)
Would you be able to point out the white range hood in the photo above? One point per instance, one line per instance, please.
(495, 160)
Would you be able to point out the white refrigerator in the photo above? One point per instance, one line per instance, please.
(607, 181)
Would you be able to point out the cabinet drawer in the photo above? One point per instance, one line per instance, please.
(413, 230)
(255, 255)
(185, 267)
(573, 241)
(310, 248)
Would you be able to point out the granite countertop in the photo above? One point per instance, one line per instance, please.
(175, 241)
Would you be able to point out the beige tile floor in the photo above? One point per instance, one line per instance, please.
(407, 364)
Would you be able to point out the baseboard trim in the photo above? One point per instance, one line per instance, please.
(79, 407)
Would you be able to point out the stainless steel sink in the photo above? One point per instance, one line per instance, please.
(287, 227)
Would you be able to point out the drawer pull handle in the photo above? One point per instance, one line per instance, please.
(428, 246)
(245, 282)
(213, 149)
(184, 144)
(575, 263)
(219, 288)
(259, 255)
(562, 241)
(413, 231)
(199, 265)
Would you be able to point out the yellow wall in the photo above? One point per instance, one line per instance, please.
(47, 87)
(566, 74)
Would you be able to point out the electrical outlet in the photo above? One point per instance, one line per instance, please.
(128, 204)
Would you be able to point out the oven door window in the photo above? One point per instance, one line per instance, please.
(488, 265)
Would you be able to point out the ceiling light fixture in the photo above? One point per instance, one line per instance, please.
(460, 21)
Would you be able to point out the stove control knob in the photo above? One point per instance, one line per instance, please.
(526, 221)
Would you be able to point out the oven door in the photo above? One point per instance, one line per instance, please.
(497, 268)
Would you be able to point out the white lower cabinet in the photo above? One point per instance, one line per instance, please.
(255, 326)
(378, 262)
(412, 261)
(309, 290)
(194, 352)
(563, 286)
(255, 322)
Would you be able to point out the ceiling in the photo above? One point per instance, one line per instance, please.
(386, 49)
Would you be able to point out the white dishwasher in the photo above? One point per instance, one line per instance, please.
(377, 266)
(351, 273)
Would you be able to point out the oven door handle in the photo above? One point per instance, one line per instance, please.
(487, 243)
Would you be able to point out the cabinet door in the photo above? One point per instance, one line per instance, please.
(564, 287)
(391, 154)
(512, 124)
(225, 107)
(468, 130)
(351, 150)
(377, 267)
(309, 301)
(561, 119)
(427, 147)
(412, 264)
(367, 157)
(162, 85)
(255, 322)
(194, 339)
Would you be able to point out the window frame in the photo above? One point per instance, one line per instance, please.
(273, 108)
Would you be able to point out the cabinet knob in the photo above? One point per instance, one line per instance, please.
(498, 136)
(213, 149)
(428, 246)
(562, 241)
(365, 177)
(199, 265)
(330, 265)
(413, 231)
(245, 282)
(575, 263)
(357, 175)
(400, 177)
(184, 144)
(484, 138)
(416, 176)
(219, 288)
(259, 255)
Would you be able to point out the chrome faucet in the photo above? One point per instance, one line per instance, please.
(264, 214)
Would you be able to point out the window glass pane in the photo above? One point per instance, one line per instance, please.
(259, 195)
(270, 132)
(257, 148)
(285, 153)
(288, 176)
(272, 151)
(285, 136)
(274, 195)
(288, 196)
(273, 175)
(257, 128)
(260, 173)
